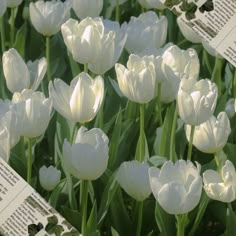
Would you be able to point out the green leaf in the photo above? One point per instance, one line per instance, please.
(230, 222)
(92, 221)
(19, 43)
(56, 193)
(157, 160)
(137, 152)
(114, 232)
(73, 216)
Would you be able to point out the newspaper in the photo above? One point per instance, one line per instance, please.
(213, 20)
(24, 212)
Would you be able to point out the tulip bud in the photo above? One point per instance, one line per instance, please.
(133, 178)
(196, 100)
(188, 32)
(138, 81)
(87, 158)
(81, 100)
(211, 136)
(177, 187)
(47, 17)
(33, 111)
(13, 3)
(3, 7)
(230, 108)
(20, 76)
(88, 8)
(49, 177)
(221, 186)
(145, 28)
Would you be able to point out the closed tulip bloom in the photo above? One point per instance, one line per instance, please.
(13, 3)
(221, 186)
(20, 76)
(157, 4)
(87, 158)
(188, 32)
(3, 7)
(230, 107)
(4, 143)
(133, 178)
(176, 64)
(138, 81)
(196, 100)
(145, 28)
(47, 17)
(89, 8)
(49, 177)
(177, 187)
(93, 39)
(81, 100)
(33, 110)
(212, 135)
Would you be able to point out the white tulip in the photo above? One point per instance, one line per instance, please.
(47, 17)
(3, 7)
(210, 49)
(196, 100)
(176, 64)
(221, 186)
(33, 111)
(188, 32)
(145, 31)
(93, 39)
(133, 178)
(212, 135)
(13, 3)
(230, 107)
(49, 177)
(87, 158)
(4, 143)
(20, 76)
(81, 100)
(148, 4)
(177, 187)
(88, 8)
(138, 81)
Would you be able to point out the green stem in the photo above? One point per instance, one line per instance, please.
(2, 34)
(73, 133)
(29, 161)
(117, 10)
(86, 68)
(190, 146)
(12, 24)
(84, 203)
(71, 194)
(142, 135)
(180, 225)
(234, 84)
(48, 58)
(206, 60)
(140, 218)
(172, 137)
(230, 206)
(159, 103)
(216, 74)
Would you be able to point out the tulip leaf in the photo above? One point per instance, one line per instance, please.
(75, 69)
(116, 87)
(230, 150)
(56, 193)
(230, 222)
(114, 232)
(19, 43)
(92, 221)
(157, 160)
(146, 153)
(73, 216)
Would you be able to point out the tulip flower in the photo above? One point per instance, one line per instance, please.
(87, 158)
(230, 107)
(81, 100)
(221, 186)
(89, 8)
(211, 50)
(4, 143)
(157, 4)
(20, 76)
(49, 177)
(47, 17)
(33, 111)
(145, 28)
(177, 187)
(187, 31)
(13, 3)
(93, 39)
(196, 100)
(133, 178)
(176, 64)
(138, 81)
(3, 7)
(211, 136)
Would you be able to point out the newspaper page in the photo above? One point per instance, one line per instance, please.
(24, 212)
(213, 20)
